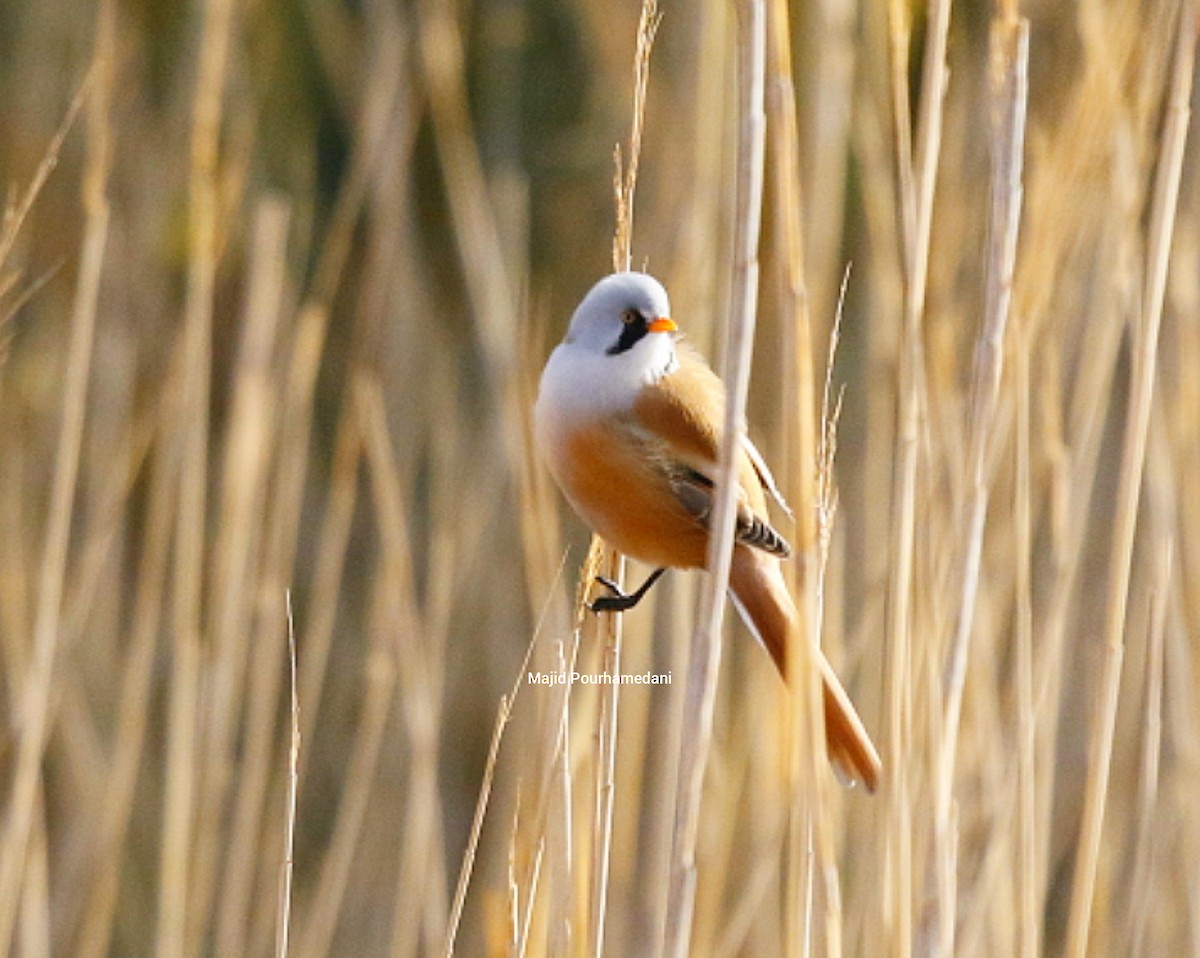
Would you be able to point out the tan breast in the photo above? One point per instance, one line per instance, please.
(619, 487)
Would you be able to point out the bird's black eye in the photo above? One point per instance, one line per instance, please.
(635, 327)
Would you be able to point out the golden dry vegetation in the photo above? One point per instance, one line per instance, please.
(276, 282)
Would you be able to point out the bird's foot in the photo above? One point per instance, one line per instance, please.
(617, 601)
(620, 601)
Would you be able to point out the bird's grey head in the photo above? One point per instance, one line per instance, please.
(618, 312)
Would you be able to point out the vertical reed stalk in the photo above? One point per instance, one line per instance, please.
(503, 715)
(1147, 838)
(706, 648)
(606, 757)
(35, 691)
(810, 843)
(338, 862)
(1133, 455)
(917, 161)
(240, 556)
(489, 288)
(613, 563)
(318, 317)
(1009, 93)
(180, 802)
(1026, 872)
(283, 925)
(134, 703)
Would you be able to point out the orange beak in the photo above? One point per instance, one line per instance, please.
(663, 324)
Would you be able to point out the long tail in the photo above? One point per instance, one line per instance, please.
(763, 599)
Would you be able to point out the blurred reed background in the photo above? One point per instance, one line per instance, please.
(276, 282)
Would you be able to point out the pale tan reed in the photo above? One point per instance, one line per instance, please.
(283, 924)
(330, 273)
(24, 809)
(706, 643)
(1145, 362)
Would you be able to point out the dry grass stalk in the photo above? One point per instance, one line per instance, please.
(1070, 410)
(242, 557)
(134, 709)
(1026, 719)
(283, 924)
(812, 763)
(362, 461)
(706, 648)
(1141, 393)
(36, 690)
(237, 555)
(917, 160)
(347, 827)
(553, 795)
(562, 923)
(1146, 840)
(606, 758)
(15, 214)
(411, 647)
(810, 841)
(625, 182)
(488, 285)
(382, 99)
(613, 564)
(182, 798)
(1009, 94)
(503, 715)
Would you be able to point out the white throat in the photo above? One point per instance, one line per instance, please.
(580, 383)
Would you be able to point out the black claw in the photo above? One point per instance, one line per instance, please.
(620, 601)
(617, 602)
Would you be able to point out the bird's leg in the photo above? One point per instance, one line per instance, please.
(619, 601)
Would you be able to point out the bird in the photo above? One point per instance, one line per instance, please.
(628, 418)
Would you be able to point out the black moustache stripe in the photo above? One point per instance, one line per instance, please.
(630, 334)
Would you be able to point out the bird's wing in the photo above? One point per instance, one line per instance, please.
(680, 417)
(694, 492)
(685, 409)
